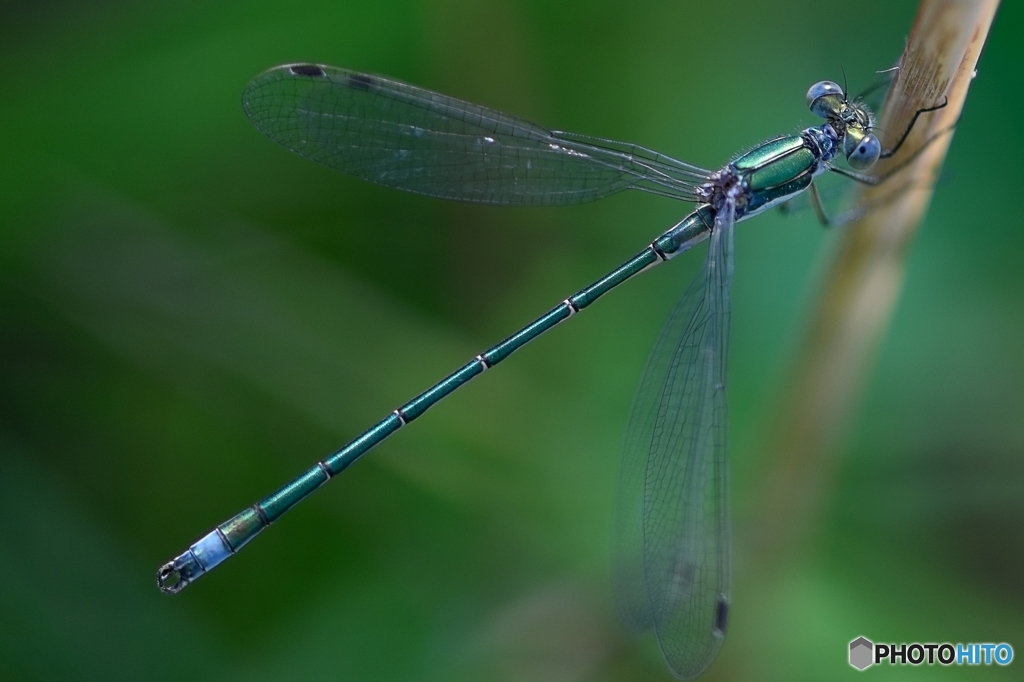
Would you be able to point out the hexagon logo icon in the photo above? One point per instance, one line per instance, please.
(861, 650)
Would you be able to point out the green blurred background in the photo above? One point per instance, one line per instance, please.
(191, 315)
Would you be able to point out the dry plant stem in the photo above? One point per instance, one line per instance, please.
(860, 290)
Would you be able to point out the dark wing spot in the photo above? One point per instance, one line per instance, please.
(307, 70)
(360, 81)
(721, 615)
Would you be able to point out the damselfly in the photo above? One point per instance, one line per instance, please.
(673, 530)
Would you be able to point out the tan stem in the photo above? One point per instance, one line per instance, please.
(860, 290)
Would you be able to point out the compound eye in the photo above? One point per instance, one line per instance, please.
(822, 88)
(824, 98)
(866, 153)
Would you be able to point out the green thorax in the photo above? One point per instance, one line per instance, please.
(776, 162)
(776, 170)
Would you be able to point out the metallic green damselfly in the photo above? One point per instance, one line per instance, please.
(672, 566)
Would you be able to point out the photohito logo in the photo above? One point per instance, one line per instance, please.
(864, 653)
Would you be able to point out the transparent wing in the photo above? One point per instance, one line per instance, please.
(672, 565)
(413, 139)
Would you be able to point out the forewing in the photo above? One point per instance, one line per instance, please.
(413, 139)
(673, 540)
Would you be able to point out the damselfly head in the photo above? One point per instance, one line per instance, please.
(851, 120)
